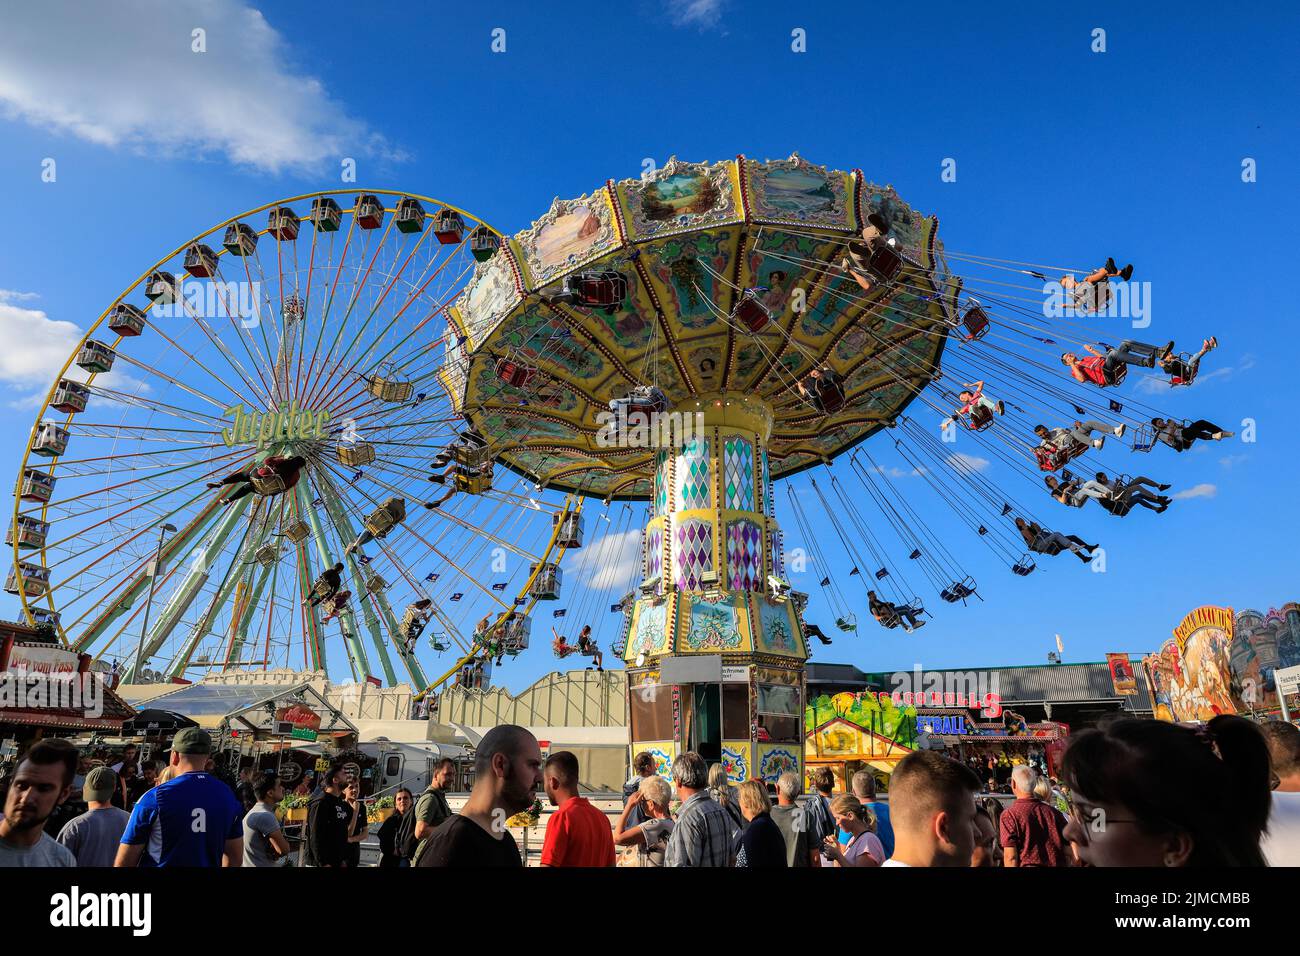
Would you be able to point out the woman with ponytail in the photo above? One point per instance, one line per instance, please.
(1151, 793)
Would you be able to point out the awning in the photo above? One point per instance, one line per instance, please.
(64, 721)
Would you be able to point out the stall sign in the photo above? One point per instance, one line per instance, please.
(735, 674)
(954, 725)
(306, 722)
(322, 764)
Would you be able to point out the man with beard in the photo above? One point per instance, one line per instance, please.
(42, 782)
(507, 771)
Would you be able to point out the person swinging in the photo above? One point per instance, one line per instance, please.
(1093, 293)
(276, 470)
(977, 409)
(892, 615)
(824, 388)
(1042, 541)
(325, 586)
(1108, 368)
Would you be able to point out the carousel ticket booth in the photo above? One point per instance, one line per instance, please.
(715, 652)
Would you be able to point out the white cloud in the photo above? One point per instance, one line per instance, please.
(967, 463)
(123, 74)
(605, 561)
(701, 13)
(1204, 490)
(36, 347)
(1230, 460)
(894, 472)
(9, 295)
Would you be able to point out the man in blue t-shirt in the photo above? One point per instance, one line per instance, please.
(864, 788)
(191, 820)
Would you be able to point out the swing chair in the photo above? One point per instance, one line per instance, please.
(1143, 437)
(1091, 297)
(388, 389)
(974, 322)
(849, 622)
(751, 312)
(593, 290)
(1025, 566)
(387, 516)
(1050, 458)
(413, 622)
(826, 392)
(267, 485)
(1184, 359)
(515, 374)
(959, 591)
(979, 418)
(473, 483)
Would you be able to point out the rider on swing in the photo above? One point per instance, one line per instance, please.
(891, 615)
(976, 407)
(585, 646)
(287, 469)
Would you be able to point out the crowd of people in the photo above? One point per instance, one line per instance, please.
(1131, 793)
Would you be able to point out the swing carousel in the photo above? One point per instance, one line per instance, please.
(653, 341)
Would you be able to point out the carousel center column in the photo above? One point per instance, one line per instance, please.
(714, 645)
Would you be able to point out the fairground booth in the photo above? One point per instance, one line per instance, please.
(47, 690)
(990, 718)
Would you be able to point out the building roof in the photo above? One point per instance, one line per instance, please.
(1025, 684)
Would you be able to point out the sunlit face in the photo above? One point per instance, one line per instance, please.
(402, 801)
(34, 793)
(1107, 834)
(444, 775)
(522, 776)
(843, 820)
(352, 791)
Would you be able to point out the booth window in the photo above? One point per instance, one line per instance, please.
(735, 711)
(779, 712)
(652, 712)
(394, 766)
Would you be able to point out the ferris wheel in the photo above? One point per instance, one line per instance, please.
(233, 468)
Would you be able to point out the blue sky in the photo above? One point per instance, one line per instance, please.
(1063, 156)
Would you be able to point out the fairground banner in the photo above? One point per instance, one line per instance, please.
(1121, 675)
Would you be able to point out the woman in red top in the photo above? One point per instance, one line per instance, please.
(1105, 368)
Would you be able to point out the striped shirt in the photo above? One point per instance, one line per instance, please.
(702, 836)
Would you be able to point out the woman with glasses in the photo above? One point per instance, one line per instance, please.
(1142, 793)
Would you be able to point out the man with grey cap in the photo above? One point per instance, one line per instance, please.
(94, 836)
(191, 820)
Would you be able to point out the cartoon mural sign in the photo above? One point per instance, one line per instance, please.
(1221, 662)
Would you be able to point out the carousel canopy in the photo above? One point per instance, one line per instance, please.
(642, 283)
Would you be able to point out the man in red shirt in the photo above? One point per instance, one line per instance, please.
(1031, 832)
(577, 834)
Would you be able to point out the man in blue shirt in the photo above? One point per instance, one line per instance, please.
(864, 788)
(191, 820)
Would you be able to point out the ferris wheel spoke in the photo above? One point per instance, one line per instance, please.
(357, 286)
(56, 503)
(154, 405)
(239, 323)
(171, 380)
(396, 317)
(232, 361)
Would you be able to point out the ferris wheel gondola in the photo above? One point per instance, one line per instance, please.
(245, 415)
